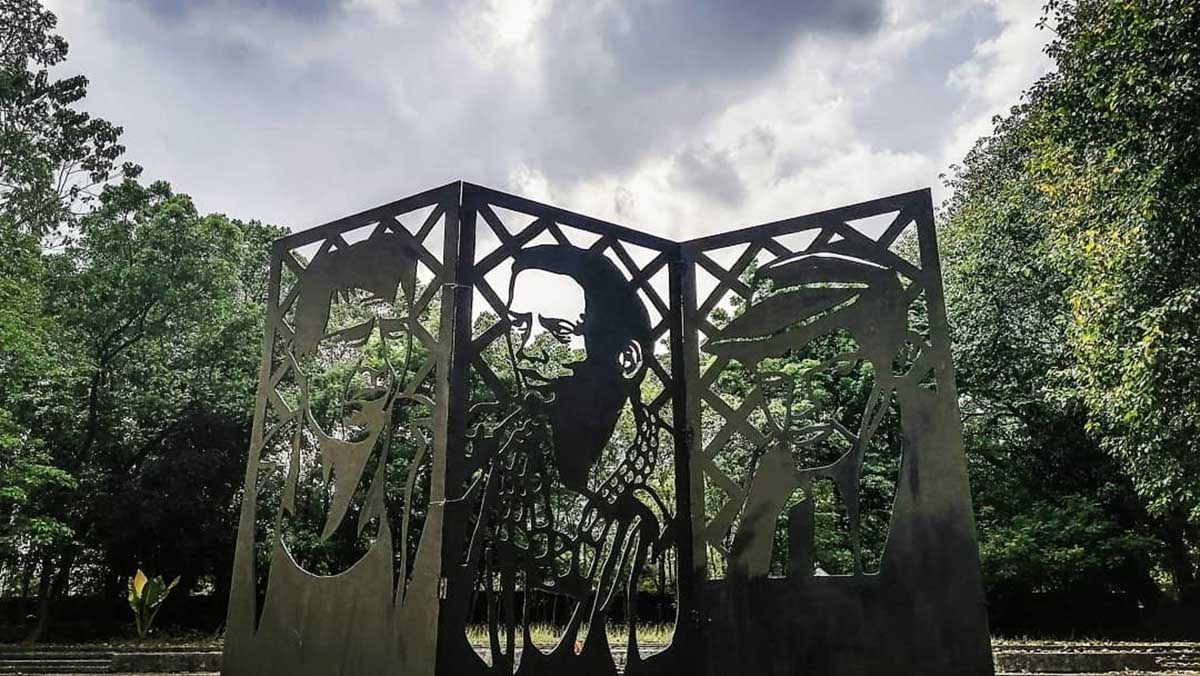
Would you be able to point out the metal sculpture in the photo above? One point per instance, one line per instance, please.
(477, 413)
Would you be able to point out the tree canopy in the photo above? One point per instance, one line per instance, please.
(1073, 280)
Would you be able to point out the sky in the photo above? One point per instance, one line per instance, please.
(676, 117)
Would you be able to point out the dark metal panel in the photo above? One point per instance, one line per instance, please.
(689, 488)
(923, 611)
(445, 195)
(529, 446)
(525, 480)
(240, 622)
(345, 476)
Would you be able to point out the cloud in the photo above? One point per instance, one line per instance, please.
(677, 116)
(910, 101)
(709, 172)
(621, 81)
(313, 9)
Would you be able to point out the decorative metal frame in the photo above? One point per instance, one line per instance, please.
(475, 526)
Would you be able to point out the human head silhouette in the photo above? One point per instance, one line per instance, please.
(584, 348)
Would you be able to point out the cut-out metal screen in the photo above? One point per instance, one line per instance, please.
(496, 437)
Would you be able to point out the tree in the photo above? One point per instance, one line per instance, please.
(159, 309)
(50, 156)
(1121, 168)
(1074, 284)
(53, 157)
(131, 327)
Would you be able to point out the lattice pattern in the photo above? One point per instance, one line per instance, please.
(870, 233)
(487, 454)
(294, 254)
(649, 277)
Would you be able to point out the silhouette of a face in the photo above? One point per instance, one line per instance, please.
(354, 394)
(350, 298)
(547, 338)
(350, 307)
(576, 337)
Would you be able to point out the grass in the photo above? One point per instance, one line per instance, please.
(545, 635)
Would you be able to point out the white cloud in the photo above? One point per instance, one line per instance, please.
(999, 70)
(297, 117)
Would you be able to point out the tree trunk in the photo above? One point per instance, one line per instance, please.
(52, 588)
(27, 567)
(1179, 561)
(44, 584)
(26, 576)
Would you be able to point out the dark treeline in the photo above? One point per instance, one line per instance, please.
(130, 329)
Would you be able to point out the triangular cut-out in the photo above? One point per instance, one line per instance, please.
(424, 273)
(304, 254)
(901, 245)
(727, 256)
(874, 226)
(651, 308)
(705, 284)
(514, 221)
(661, 283)
(486, 241)
(765, 257)
(413, 220)
(498, 279)
(799, 241)
(543, 237)
(723, 302)
(580, 238)
(360, 233)
(480, 306)
(435, 241)
(640, 254)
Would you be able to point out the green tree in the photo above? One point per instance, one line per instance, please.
(1072, 278)
(1120, 165)
(159, 309)
(1054, 512)
(131, 330)
(52, 156)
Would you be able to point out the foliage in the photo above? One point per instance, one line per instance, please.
(130, 326)
(1072, 278)
(1121, 166)
(146, 596)
(52, 156)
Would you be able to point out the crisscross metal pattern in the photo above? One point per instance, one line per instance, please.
(510, 240)
(381, 221)
(831, 234)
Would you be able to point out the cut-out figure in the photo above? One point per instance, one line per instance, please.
(353, 308)
(555, 517)
(814, 296)
(337, 598)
